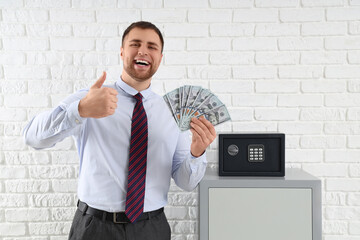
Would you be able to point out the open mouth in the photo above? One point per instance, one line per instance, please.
(142, 63)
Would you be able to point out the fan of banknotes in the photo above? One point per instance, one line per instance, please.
(189, 101)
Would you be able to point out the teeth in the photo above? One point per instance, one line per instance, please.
(142, 62)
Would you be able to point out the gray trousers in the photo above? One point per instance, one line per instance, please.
(88, 227)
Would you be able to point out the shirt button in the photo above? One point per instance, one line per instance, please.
(77, 121)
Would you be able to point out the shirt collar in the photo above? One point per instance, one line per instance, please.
(132, 91)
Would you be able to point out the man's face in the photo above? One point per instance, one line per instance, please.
(141, 53)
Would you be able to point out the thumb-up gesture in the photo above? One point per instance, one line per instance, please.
(99, 102)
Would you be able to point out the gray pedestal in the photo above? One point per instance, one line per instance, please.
(258, 208)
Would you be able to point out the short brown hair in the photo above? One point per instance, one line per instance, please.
(143, 25)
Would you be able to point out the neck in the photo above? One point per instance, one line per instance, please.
(139, 85)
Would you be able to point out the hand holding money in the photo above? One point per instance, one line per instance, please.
(99, 102)
(203, 134)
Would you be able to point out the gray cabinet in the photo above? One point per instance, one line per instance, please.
(260, 208)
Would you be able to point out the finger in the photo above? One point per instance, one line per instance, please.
(114, 99)
(208, 125)
(99, 82)
(199, 130)
(202, 126)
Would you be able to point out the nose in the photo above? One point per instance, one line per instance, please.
(142, 51)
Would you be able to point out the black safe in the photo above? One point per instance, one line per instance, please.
(255, 154)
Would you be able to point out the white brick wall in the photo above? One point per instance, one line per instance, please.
(280, 65)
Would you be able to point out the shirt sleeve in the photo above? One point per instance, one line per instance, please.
(187, 170)
(50, 127)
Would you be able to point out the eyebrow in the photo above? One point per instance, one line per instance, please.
(138, 41)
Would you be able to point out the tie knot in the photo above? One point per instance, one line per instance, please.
(138, 97)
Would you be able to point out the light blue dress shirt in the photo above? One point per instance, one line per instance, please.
(103, 146)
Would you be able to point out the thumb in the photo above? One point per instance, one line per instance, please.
(100, 81)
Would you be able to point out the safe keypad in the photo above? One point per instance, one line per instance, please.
(256, 153)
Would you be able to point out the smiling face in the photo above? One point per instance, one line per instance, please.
(141, 56)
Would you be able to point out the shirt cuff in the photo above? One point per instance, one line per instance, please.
(197, 163)
(73, 113)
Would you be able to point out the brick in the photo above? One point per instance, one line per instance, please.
(342, 213)
(232, 58)
(68, 44)
(9, 87)
(14, 114)
(323, 58)
(345, 156)
(13, 129)
(12, 200)
(113, 44)
(13, 172)
(254, 72)
(26, 158)
(232, 29)
(72, 72)
(94, 4)
(338, 100)
(276, 114)
(96, 59)
(354, 170)
(277, 86)
(118, 15)
(274, 29)
(326, 170)
(12, 29)
(47, 4)
(282, 58)
(209, 16)
(62, 214)
(255, 15)
(343, 14)
(335, 227)
(11, 4)
(164, 16)
(139, 4)
(174, 44)
(276, 3)
(25, 16)
(176, 213)
(184, 226)
(46, 30)
(292, 142)
(342, 43)
(180, 58)
(341, 72)
(170, 72)
(65, 186)
(229, 86)
(303, 156)
(51, 172)
(12, 229)
(185, 4)
(210, 44)
(293, 43)
(51, 200)
(25, 44)
(27, 215)
(26, 72)
(334, 198)
(26, 101)
(254, 44)
(323, 114)
(231, 4)
(307, 72)
(183, 199)
(354, 227)
(354, 57)
(71, 16)
(354, 28)
(301, 15)
(185, 30)
(241, 114)
(26, 186)
(209, 72)
(95, 30)
(331, 86)
(354, 86)
(300, 127)
(353, 199)
(12, 58)
(303, 100)
(323, 29)
(47, 228)
(322, 3)
(353, 142)
(341, 128)
(50, 87)
(48, 58)
(12, 143)
(258, 100)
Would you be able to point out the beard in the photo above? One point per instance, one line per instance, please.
(139, 75)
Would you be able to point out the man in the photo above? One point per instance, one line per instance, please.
(129, 146)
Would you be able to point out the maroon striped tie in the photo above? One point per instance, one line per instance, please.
(137, 162)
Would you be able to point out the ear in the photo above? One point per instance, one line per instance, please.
(121, 53)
